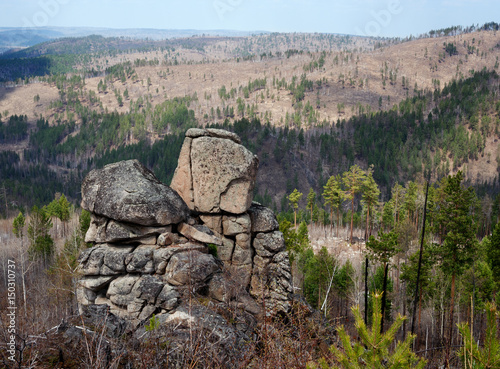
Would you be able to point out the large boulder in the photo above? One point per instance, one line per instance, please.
(263, 219)
(190, 268)
(104, 230)
(215, 173)
(128, 192)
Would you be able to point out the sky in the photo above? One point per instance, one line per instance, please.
(385, 18)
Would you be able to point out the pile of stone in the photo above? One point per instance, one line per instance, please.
(156, 246)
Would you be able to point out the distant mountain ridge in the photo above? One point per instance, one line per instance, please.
(17, 38)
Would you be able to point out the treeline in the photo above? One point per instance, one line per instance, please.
(435, 254)
(14, 129)
(100, 138)
(431, 133)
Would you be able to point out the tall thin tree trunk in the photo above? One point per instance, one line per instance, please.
(419, 326)
(384, 294)
(352, 217)
(404, 312)
(338, 221)
(450, 328)
(419, 262)
(367, 217)
(366, 290)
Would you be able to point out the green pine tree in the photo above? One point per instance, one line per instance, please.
(493, 255)
(334, 196)
(41, 243)
(486, 356)
(382, 250)
(311, 200)
(458, 229)
(371, 193)
(294, 199)
(353, 181)
(374, 349)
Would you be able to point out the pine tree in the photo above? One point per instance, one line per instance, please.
(486, 356)
(374, 349)
(294, 199)
(458, 227)
(41, 243)
(382, 250)
(353, 180)
(334, 196)
(18, 226)
(397, 198)
(311, 200)
(493, 255)
(370, 197)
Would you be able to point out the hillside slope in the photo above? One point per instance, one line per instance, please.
(318, 112)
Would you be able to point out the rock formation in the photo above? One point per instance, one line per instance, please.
(158, 247)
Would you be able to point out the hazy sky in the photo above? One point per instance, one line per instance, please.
(368, 17)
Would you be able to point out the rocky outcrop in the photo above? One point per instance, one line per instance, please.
(128, 192)
(159, 252)
(215, 173)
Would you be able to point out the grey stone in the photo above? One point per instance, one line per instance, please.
(85, 296)
(147, 288)
(224, 174)
(234, 225)
(197, 235)
(129, 192)
(196, 132)
(122, 285)
(115, 258)
(242, 256)
(220, 133)
(104, 230)
(213, 132)
(243, 273)
(268, 244)
(168, 297)
(244, 240)
(147, 312)
(225, 251)
(191, 267)
(119, 291)
(141, 260)
(219, 288)
(91, 260)
(95, 283)
(168, 238)
(104, 260)
(249, 304)
(214, 222)
(97, 315)
(161, 256)
(263, 219)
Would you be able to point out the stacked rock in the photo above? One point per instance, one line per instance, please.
(151, 241)
(216, 177)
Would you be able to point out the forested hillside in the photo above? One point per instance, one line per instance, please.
(431, 134)
(381, 158)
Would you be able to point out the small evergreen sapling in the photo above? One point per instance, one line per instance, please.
(374, 349)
